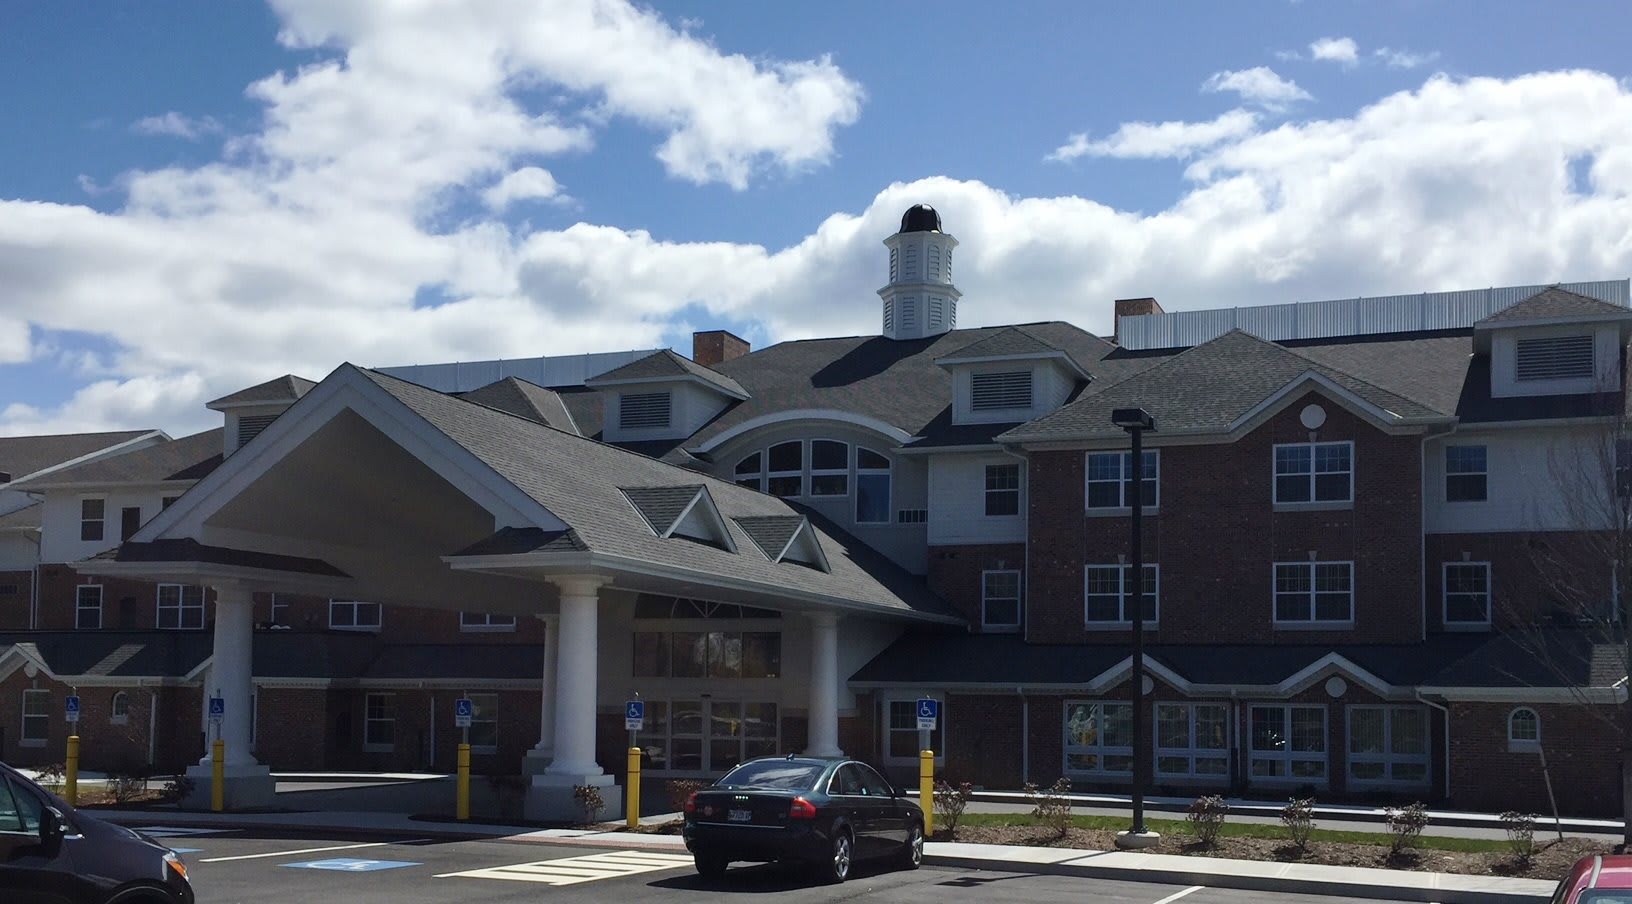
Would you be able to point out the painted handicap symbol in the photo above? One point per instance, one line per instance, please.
(351, 865)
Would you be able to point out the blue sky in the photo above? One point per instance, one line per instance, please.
(198, 195)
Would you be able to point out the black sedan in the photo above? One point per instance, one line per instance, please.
(821, 812)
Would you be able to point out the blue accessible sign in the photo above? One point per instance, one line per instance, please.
(634, 715)
(929, 711)
(463, 711)
(218, 709)
(71, 709)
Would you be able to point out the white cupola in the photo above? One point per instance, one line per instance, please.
(920, 299)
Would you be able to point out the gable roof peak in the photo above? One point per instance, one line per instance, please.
(1555, 303)
(666, 363)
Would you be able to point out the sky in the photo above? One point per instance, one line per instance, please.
(197, 196)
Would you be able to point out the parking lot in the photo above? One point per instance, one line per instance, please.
(244, 867)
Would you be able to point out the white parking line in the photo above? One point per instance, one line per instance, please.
(573, 870)
(319, 850)
(1177, 895)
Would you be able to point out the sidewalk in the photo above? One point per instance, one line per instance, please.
(1127, 866)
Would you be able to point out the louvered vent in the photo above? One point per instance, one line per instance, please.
(250, 426)
(637, 411)
(992, 392)
(895, 262)
(1554, 358)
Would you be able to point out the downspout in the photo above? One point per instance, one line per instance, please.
(1447, 712)
(1237, 772)
(1025, 735)
(153, 726)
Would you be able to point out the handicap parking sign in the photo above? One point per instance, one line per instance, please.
(351, 865)
(72, 709)
(463, 710)
(634, 715)
(928, 712)
(218, 709)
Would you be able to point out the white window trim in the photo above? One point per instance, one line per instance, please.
(275, 605)
(886, 472)
(1019, 602)
(371, 629)
(1311, 504)
(1289, 756)
(1192, 752)
(1100, 750)
(814, 472)
(1311, 623)
(1019, 489)
(103, 521)
(1445, 598)
(1448, 473)
(1124, 508)
(943, 727)
(181, 608)
(756, 476)
(80, 607)
(114, 716)
(23, 740)
(1124, 597)
(802, 472)
(380, 748)
(1523, 745)
(1388, 757)
(487, 625)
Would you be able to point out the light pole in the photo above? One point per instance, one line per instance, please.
(1136, 421)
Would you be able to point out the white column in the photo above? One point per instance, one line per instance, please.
(552, 656)
(232, 670)
(576, 677)
(823, 730)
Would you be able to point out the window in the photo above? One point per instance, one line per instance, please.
(379, 722)
(750, 472)
(1467, 593)
(1288, 743)
(1553, 358)
(912, 516)
(1465, 474)
(643, 410)
(829, 468)
(1388, 745)
(130, 521)
(351, 615)
(88, 607)
(485, 621)
(250, 426)
(119, 708)
(1000, 392)
(167, 501)
(902, 743)
(1523, 729)
(36, 717)
(181, 607)
(1110, 479)
(1314, 472)
(1193, 740)
(1098, 738)
(707, 654)
(787, 469)
(484, 722)
(1108, 594)
(1002, 490)
(1000, 599)
(280, 610)
(872, 487)
(92, 517)
(1314, 593)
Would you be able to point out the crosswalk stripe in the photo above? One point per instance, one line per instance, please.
(574, 870)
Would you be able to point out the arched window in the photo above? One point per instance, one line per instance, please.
(750, 472)
(872, 487)
(787, 469)
(1523, 727)
(120, 708)
(829, 468)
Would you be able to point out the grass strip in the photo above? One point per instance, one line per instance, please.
(1245, 830)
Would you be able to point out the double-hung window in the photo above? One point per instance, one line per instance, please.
(1108, 595)
(1288, 743)
(36, 717)
(1314, 593)
(88, 607)
(1388, 745)
(750, 471)
(181, 607)
(1467, 593)
(1466, 476)
(1111, 483)
(787, 469)
(1314, 472)
(1193, 740)
(379, 722)
(1098, 738)
(352, 615)
(1002, 490)
(93, 514)
(829, 468)
(1000, 600)
(903, 743)
(872, 487)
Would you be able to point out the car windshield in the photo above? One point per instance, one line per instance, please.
(1605, 896)
(775, 775)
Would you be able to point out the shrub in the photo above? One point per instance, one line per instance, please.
(950, 801)
(177, 789)
(1405, 824)
(1051, 806)
(126, 788)
(52, 777)
(681, 790)
(1299, 818)
(1206, 818)
(1521, 834)
(589, 801)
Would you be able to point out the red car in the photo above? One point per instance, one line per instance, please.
(1598, 880)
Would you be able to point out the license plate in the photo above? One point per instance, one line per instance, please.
(740, 816)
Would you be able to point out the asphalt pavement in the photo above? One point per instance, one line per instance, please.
(248, 867)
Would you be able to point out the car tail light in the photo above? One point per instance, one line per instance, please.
(801, 809)
(691, 803)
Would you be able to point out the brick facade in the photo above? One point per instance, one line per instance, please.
(1583, 760)
(16, 600)
(955, 573)
(1533, 574)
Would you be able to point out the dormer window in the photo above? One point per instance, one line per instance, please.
(1000, 391)
(1554, 358)
(643, 410)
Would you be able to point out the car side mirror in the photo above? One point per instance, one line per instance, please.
(52, 827)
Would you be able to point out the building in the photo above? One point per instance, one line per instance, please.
(1354, 530)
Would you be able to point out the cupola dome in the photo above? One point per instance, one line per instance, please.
(920, 218)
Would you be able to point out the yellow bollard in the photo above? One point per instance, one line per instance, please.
(926, 789)
(631, 790)
(218, 776)
(463, 806)
(70, 781)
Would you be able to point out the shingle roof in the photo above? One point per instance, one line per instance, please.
(287, 388)
(665, 363)
(1007, 342)
(188, 458)
(1206, 389)
(521, 398)
(1539, 657)
(509, 541)
(23, 455)
(188, 550)
(771, 533)
(661, 506)
(1555, 303)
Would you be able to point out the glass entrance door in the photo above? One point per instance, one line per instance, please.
(711, 736)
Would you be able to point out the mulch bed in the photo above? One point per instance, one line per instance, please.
(1552, 859)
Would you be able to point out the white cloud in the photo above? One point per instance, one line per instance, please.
(176, 125)
(530, 183)
(1260, 85)
(1335, 50)
(1404, 59)
(1154, 140)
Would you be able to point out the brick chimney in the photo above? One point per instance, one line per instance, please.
(713, 347)
(1132, 307)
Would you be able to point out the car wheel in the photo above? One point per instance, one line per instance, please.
(711, 866)
(913, 854)
(840, 857)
